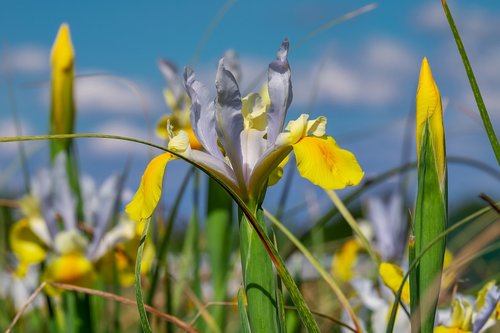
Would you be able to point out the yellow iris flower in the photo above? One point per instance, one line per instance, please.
(242, 152)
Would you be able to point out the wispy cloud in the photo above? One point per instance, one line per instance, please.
(113, 95)
(8, 129)
(25, 59)
(110, 147)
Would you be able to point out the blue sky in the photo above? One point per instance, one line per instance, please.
(363, 72)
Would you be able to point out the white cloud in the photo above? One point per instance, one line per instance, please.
(374, 78)
(113, 95)
(8, 129)
(25, 59)
(112, 147)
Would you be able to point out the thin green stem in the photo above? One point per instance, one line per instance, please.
(354, 225)
(473, 84)
(317, 265)
(146, 327)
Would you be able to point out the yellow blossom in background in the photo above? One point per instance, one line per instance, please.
(344, 260)
(392, 276)
(461, 318)
(72, 268)
(26, 245)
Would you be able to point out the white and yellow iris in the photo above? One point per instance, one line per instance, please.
(244, 142)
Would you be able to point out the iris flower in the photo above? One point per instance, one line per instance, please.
(49, 231)
(243, 151)
(473, 318)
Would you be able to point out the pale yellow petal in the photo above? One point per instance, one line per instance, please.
(147, 196)
(254, 112)
(317, 127)
(324, 163)
(392, 275)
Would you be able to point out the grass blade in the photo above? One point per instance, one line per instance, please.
(324, 274)
(146, 327)
(473, 84)
(219, 230)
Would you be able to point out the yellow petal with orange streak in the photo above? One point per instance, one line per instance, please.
(324, 163)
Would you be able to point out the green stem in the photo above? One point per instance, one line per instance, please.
(346, 214)
(146, 327)
(258, 276)
(473, 84)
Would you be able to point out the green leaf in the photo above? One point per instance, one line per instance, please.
(244, 323)
(259, 278)
(430, 221)
(219, 231)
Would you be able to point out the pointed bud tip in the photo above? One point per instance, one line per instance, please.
(62, 55)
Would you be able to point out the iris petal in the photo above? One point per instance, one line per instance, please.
(147, 196)
(229, 119)
(324, 163)
(280, 92)
(202, 114)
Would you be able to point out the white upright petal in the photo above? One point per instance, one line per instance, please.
(229, 119)
(107, 197)
(253, 146)
(202, 115)
(170, 73)
(280, 92)
(64, 199)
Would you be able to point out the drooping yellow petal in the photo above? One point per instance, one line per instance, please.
(428, 108)
(392, 275)
(26, 245)
(147, 196)
(324, 163)
(344, 260)
(73, 269)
